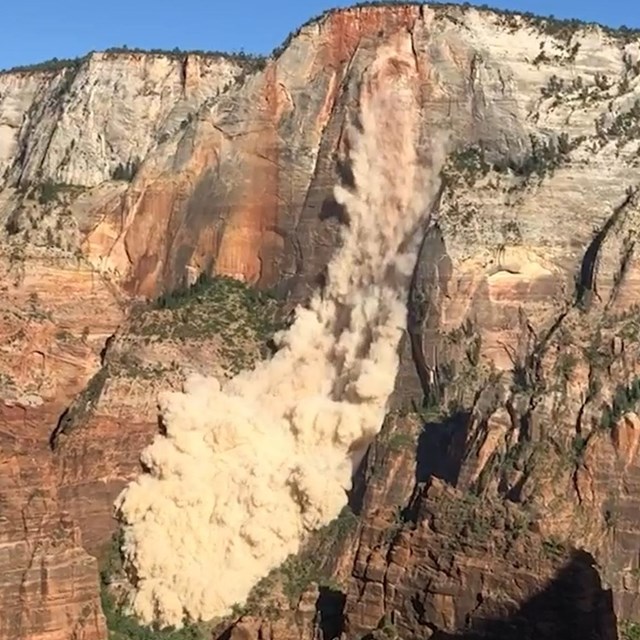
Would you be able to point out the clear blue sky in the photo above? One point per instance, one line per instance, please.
(35, 30)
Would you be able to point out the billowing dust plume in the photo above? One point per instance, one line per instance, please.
(248, 468)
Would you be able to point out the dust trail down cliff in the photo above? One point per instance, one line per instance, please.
(248, 468)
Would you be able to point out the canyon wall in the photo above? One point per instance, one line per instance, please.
(127, 175)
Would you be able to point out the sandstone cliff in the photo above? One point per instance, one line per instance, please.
(512, 477)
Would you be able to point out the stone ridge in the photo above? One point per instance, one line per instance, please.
(56, 64)
(129, 176)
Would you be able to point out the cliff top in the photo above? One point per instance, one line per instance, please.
(54, 65)
(562, 28)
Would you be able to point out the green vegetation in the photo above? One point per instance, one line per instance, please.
(554, 87)
(569, 54)
(468, 164)
(111, 560)
(35, 310)
(610, 517)
(630, 329)
(297, 572)
(83, 405)
(625, 399)
(398, 441)
(6, 381)
(396, 525)
(51, 66)
(473, 350)
(629, 630)
(545, 156)
(511, 233)
(524, 378)
(12, 226)
(45, 193)
(565, 365)
(130, 366)
(242, 317)
(547, 25)
(337, 529)
(64, 85)
(624, 128)
(249, 61)
(466, 522)
(62, 335)
(430, 410)
(578, 448)
(49, 191)
(386, 630)
(596, 353)
(126, 171)
(184, 123)
(553, 548)
(561, 29)
(50, 240)
(513, 458)
(213, 287)
(124, 627)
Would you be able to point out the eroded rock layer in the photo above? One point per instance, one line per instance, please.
(127, 175)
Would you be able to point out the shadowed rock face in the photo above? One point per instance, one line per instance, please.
(571, 605)
(428, 560)
(454, 565)
(520, 361)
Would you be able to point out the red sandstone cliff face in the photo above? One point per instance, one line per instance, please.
(522, 327)
(48, 582)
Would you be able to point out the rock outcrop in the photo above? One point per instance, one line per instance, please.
(127, 175)
(90, 121)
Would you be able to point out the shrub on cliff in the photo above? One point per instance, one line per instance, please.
(126, 171)
(626, 399)
(53, 65)
(241, 318)
(629, 630)
(124, 627)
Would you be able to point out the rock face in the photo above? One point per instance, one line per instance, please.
(48, 583)
(79, 124)
(516, 481)
(438, 561)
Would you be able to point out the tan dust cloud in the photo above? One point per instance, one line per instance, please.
(246, 470)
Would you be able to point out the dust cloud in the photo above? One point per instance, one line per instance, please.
(249, 467)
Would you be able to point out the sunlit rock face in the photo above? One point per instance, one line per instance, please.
(521, 319)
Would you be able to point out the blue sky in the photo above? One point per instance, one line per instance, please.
(35, 30)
